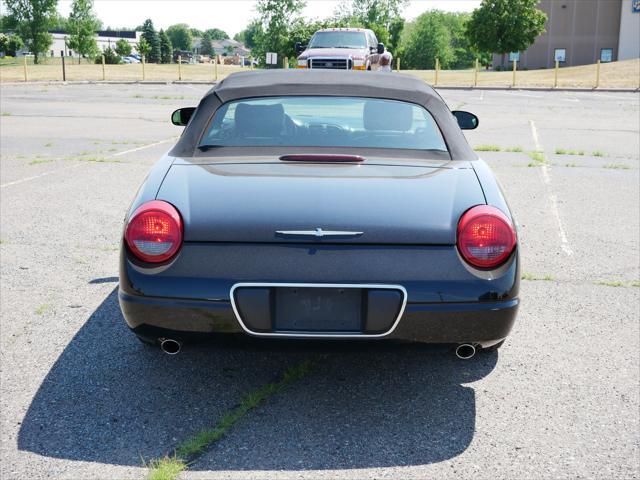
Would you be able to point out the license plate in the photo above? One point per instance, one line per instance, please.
(318, 309)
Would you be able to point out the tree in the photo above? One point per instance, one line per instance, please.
(32, 19)
(166, 48)
(123, 48)
(82, 26)
(426, 38)
(151, 37)
(276, 18)
(503, 26)
(249, 35)
(143, 47)
(195, 32)
(206, 48)
(110, 57)
(180, 36)
(217, 34)
(10, 44)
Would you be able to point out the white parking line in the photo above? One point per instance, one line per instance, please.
(44, 174)
(564, 241)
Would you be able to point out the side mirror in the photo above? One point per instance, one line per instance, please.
(182, 116)
(466, 120)
(381, 48)
(299, 47)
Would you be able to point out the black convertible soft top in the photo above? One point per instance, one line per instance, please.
(294, 82)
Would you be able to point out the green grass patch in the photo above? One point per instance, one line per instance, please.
(49, 144)
(6, 114)
(38, 161)
(570, 164)
(514, 149)
(42, 309)
(635, 283)
(538, 159)
(534, 277)
(597, 153)
(488, 148)
(562, 151)
(611, 283)
(168, 468)
(617, 166)
(94, 159)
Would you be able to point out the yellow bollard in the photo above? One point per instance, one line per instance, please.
(475, 74)
(285, 62)
(555, 78)
(597, 74)
(103, 75)
(437, 70)
(143, 75)
(215, 70)
(179, 67)
(515, 66)
(398, 64)
(24, 58)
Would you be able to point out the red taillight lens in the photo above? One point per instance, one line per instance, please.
(154, 233)
(486, 237)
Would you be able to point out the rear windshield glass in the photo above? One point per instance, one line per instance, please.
(323, 122)
(338, 40)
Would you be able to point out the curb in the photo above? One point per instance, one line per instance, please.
(202, 82)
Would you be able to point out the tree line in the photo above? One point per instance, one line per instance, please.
(456, 39)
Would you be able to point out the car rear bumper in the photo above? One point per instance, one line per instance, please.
(442, 301)
(484, 323)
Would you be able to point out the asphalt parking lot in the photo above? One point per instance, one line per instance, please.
(82, 398)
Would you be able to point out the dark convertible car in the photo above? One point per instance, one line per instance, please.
(321, 204)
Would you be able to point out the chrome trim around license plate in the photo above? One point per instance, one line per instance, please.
(319, 285)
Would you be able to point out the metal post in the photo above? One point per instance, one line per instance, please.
(437, 70)
(515, 66)
(24, 63)
(475, 74)
(143, 73)
(398, 64)
(179, 67)
(285, 62)
(597, 74)
(64, 73)
(555, 78)
(215, 70)
(103, 75)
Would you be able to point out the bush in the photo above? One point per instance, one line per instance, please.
(110, 57)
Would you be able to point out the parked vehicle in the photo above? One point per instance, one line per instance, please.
(130, 59)
(341, 49)
(321, 204)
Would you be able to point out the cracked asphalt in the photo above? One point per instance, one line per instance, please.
(81, 398)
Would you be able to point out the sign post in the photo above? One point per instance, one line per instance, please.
(272, 59)
(437, 70)
(597, 75)
(555, 78)
(215, 69)
(24, 63)
(475, 73)
(103, 75)
(142, 58)
(515, 67)
(179, 67)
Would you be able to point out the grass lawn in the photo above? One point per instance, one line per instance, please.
(613, 75)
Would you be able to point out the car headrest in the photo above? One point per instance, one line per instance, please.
(391, 116)
(259, 120)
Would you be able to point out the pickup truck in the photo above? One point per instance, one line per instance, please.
(343, 49)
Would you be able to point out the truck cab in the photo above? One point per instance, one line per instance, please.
(342, 49)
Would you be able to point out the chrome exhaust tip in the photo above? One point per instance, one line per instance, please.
(170, 346)
(465, 351)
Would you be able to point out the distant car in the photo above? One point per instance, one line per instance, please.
(341, 49)
(130, 59)
(321, 204)
(136, 56)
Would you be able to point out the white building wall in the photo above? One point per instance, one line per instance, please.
(629, 43)
(59, 43)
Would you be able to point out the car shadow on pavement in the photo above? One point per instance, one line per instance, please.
(110, 399)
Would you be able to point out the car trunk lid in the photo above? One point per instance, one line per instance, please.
(275, 201)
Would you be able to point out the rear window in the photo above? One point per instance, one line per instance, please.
(324, 122)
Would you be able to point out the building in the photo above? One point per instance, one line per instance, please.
(104, 39)
(581, 32)
(226, 47)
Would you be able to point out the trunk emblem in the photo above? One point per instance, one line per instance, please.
(319, 233)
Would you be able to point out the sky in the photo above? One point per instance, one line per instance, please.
(230, 16)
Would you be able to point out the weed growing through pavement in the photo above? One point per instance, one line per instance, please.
(42, 309)
(538, 159)
(617, 166)
(488, 148)
(534, 277)
(169, 467)
(513, 149)
(597, 153)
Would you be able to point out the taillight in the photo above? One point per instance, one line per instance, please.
(154, 233)
(486, 237)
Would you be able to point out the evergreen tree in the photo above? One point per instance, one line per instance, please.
(205, 45)
(151, 37)
(166, 49)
